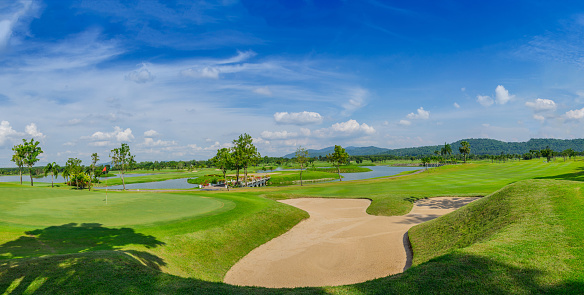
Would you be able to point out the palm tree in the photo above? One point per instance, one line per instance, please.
(464, 149)
(66, 173)
(446, 150)
(52, 168)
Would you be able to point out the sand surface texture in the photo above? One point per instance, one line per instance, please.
(338, 244)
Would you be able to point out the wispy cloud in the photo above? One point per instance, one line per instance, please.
(141, 75)
(11, 12)
(357, 100)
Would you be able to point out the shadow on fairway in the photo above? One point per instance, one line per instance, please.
(73, 238)
(116, 272)
(575, 176)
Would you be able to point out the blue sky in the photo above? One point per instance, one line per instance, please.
(180, 79)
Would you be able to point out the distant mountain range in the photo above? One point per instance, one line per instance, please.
(478, 146)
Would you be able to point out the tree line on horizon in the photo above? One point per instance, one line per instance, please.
(244, 154)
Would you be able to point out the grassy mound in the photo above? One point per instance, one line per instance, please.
(518, 240)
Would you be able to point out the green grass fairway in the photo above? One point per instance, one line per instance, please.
(395, 196)
(525, 237)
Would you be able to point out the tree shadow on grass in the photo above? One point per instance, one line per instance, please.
(457, 273)
(116, 272)
(574, 176)
(73, 238)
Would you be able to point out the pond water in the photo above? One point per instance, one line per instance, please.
(134, 175)
(165, 184)
(59, 179)
(181, 183)
(26, 179)
(377, 171)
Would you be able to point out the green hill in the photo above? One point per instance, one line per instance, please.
(479, 146)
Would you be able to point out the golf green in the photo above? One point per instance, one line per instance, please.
(43, 207)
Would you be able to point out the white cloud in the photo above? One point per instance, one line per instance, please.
(195, 147)
(261, 141)
(305, 131)
(302, 118)
(502, 95)
(150, 142)
(217, 146)
(456, 105)
(541, 105)
(405, 122)
(6, 132)
(349, 128)
(33, 131)
(485, 100)
(263, 91)
(141, 75)
(118, 134)
(278, 135)
(575, 114)
(421, 114)
(539, 118)
(356, 101)
(151, 133)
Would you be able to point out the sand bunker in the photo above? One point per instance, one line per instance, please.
(339, 244)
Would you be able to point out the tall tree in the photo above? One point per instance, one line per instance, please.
(244, 154)
(301, 158)
(32, 150)
(52, 168)
(18, 158)
(123, 159)
(223, 161)
(464, 149)
(446, 150)
(548, 153)
(94, 160)
(337, 158)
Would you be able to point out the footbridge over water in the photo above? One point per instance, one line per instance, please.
(258, 182)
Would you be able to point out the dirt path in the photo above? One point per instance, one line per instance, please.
(339, 244)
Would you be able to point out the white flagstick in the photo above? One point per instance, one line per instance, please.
(106, 186)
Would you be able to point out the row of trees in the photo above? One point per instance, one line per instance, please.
(27, 155)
